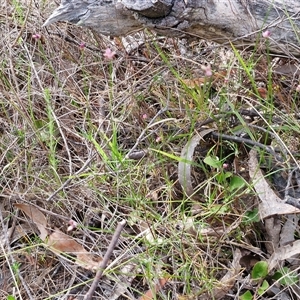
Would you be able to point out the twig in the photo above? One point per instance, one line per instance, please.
(113, 242)
(244, 141)
(274, 135)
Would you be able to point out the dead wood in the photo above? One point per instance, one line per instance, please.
(240, 22)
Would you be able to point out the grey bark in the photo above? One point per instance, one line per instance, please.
(241, 22)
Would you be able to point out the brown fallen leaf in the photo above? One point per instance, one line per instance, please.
(36, 216)
(59, 242)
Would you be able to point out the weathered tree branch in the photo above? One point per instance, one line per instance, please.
(238, 21)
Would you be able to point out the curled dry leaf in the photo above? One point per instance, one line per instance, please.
(270, 203)
(59, 242)
(185, 164)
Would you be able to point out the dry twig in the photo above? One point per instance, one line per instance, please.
(105, 260)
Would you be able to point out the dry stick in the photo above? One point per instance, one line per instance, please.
(238, 139)
(113, 242)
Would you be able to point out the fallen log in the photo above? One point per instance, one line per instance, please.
(241, 22)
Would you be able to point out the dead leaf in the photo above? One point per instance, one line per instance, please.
(288, 233)
(283, 253)
(230, 277)
(36, 216)
(270, 203)
(272, 228)
(59, 242)
(63, 243)
(288, 230)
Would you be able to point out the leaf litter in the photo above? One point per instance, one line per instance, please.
(270, 204)
(59, 242)
(284, 246)
(213, 246)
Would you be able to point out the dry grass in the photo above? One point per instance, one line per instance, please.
(69, 120)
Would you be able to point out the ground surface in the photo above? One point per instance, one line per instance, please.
(156, 132)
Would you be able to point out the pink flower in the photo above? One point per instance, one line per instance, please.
(207, 70)
(108, 54)
(72, 224)
(36, 36)
(144, 116)
(266, 34)
(225, 166)
(82, 45)
(298, 88)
